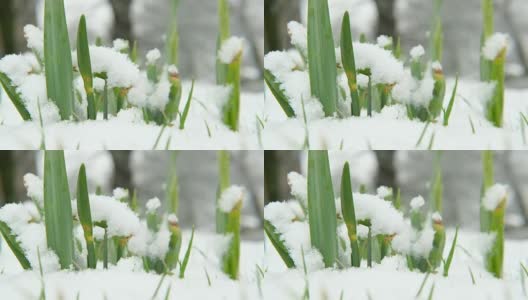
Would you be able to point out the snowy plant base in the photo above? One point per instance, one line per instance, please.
(391, 129)
(392, 280)
(129, 131)
(127, 280)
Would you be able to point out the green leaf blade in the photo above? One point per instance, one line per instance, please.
(85, 66)
(85, 216)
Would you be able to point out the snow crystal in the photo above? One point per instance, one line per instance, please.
(298, 187)
(417, 202)
(120, 219)
(231, 197)
(35, 39)
(494, 45)
(153, 204)
(384, 41)
(120, 70)
(120, 45)
(436, 217)
(494, 196)
(152, 56)
(384, 67)
(384, 191)
(417, 52)
(120, 193)
(34, 188)
(298, 35)
(231, 49)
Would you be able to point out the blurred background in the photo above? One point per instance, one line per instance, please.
(147, 21)
(412, 172)
(410, 20)
(147, 172)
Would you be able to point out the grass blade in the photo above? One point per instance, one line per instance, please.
(487, 31)
(14, 245)
(349, 64)
(14, 96)
(85, 66)
(173, 37)
(232, 107)
(173, 188)
(278, 244)
(487, 182)
(321, 206)
(173, 254)
(450, 256)
(447, 112)
(57, 207)
(85, 216)
(57, 55)
(223, 183)
(349, 214)
(231, 259)
(223, 34)
(183, 116)
(274, 87)
(437, 188)
(436, 41)
(321, 56)
(185, 261)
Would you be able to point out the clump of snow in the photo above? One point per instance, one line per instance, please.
(153, 56)
(120, 193)
(231, 197)
(278, 63)
(385, 219)
(424, 243)
(15, 216)
(298, 187)
(120, 44)
(230, 49)
(384, 41)
(120, 70)
(172, 219)
(423, 94)
(16, 67)
(34, 188)
(160, 245)
(173, 70)
(436, 217)
(148, 94)
(417, 203)
(494, 196)
(35, 39)
(362, 80)
(384, 191)
(121, 221)
(298, 35)
(153, 204)
(417, 52)
(494, 45)
(384, 67)
(98, 84)
(436, 66)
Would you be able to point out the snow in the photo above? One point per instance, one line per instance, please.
(278, 63)
(120, 44)
(172, 219)
(436, 66)
(120, 220)
(417, 52)
(417, 202)
(436, 217)
(153, 204)
(384, 41)
(385, 68)
(230, 49)
(384, 191)
(16, 67)
(35, 39)
(298, 36)
(153, 56)
(385, 219)
(120, 193)
(173, 70)
(35, 188)
(494, 45)
(298, 186)
(494, 196)
(231, 197)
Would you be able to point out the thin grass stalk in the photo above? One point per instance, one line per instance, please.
(275, 89)
(223, 183)
(435, 256)
(447, 263)
(487, 182)
(183, 264)
(447, 112)
(369, 97)
(11, 240)
(437, 188)
(439, 90)
(321, 56)
(349, 64)
(437, 35)
(85, 67)
(173, 254)
(105, 249)
(487, 31)
(57, 208)
(223, 34)
(173, 37)
(183, 116)
(321, 207)
(495, 106)
(172, 192)
(369, 247)
(231, 259)
(278, 244)
(232, 107)
(495, 257)
(14, 96)
(349, 215)
(85, 217)
(57, 57)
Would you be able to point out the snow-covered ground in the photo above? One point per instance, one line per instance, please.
(203, 129)
(392, 280)
(203, 278)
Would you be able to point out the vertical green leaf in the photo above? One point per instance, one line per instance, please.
(172, 192)
(450, 256)
(187, 107)
(173, 253)
(487, 31)
(14, 96)
(349, 214)
(321, 56)
(173, 38)
(57, 207)
(447, 112)
(321, 207)
(349, 64)
(57, 57)
(231, 259)
(223, 183)
(85, 66)
(437, 188)
(85, 216)
(278, 244)
(11, 240)
(232, 107)
(185, 261)
(487, 182)
(436, 39)
(223, 34)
